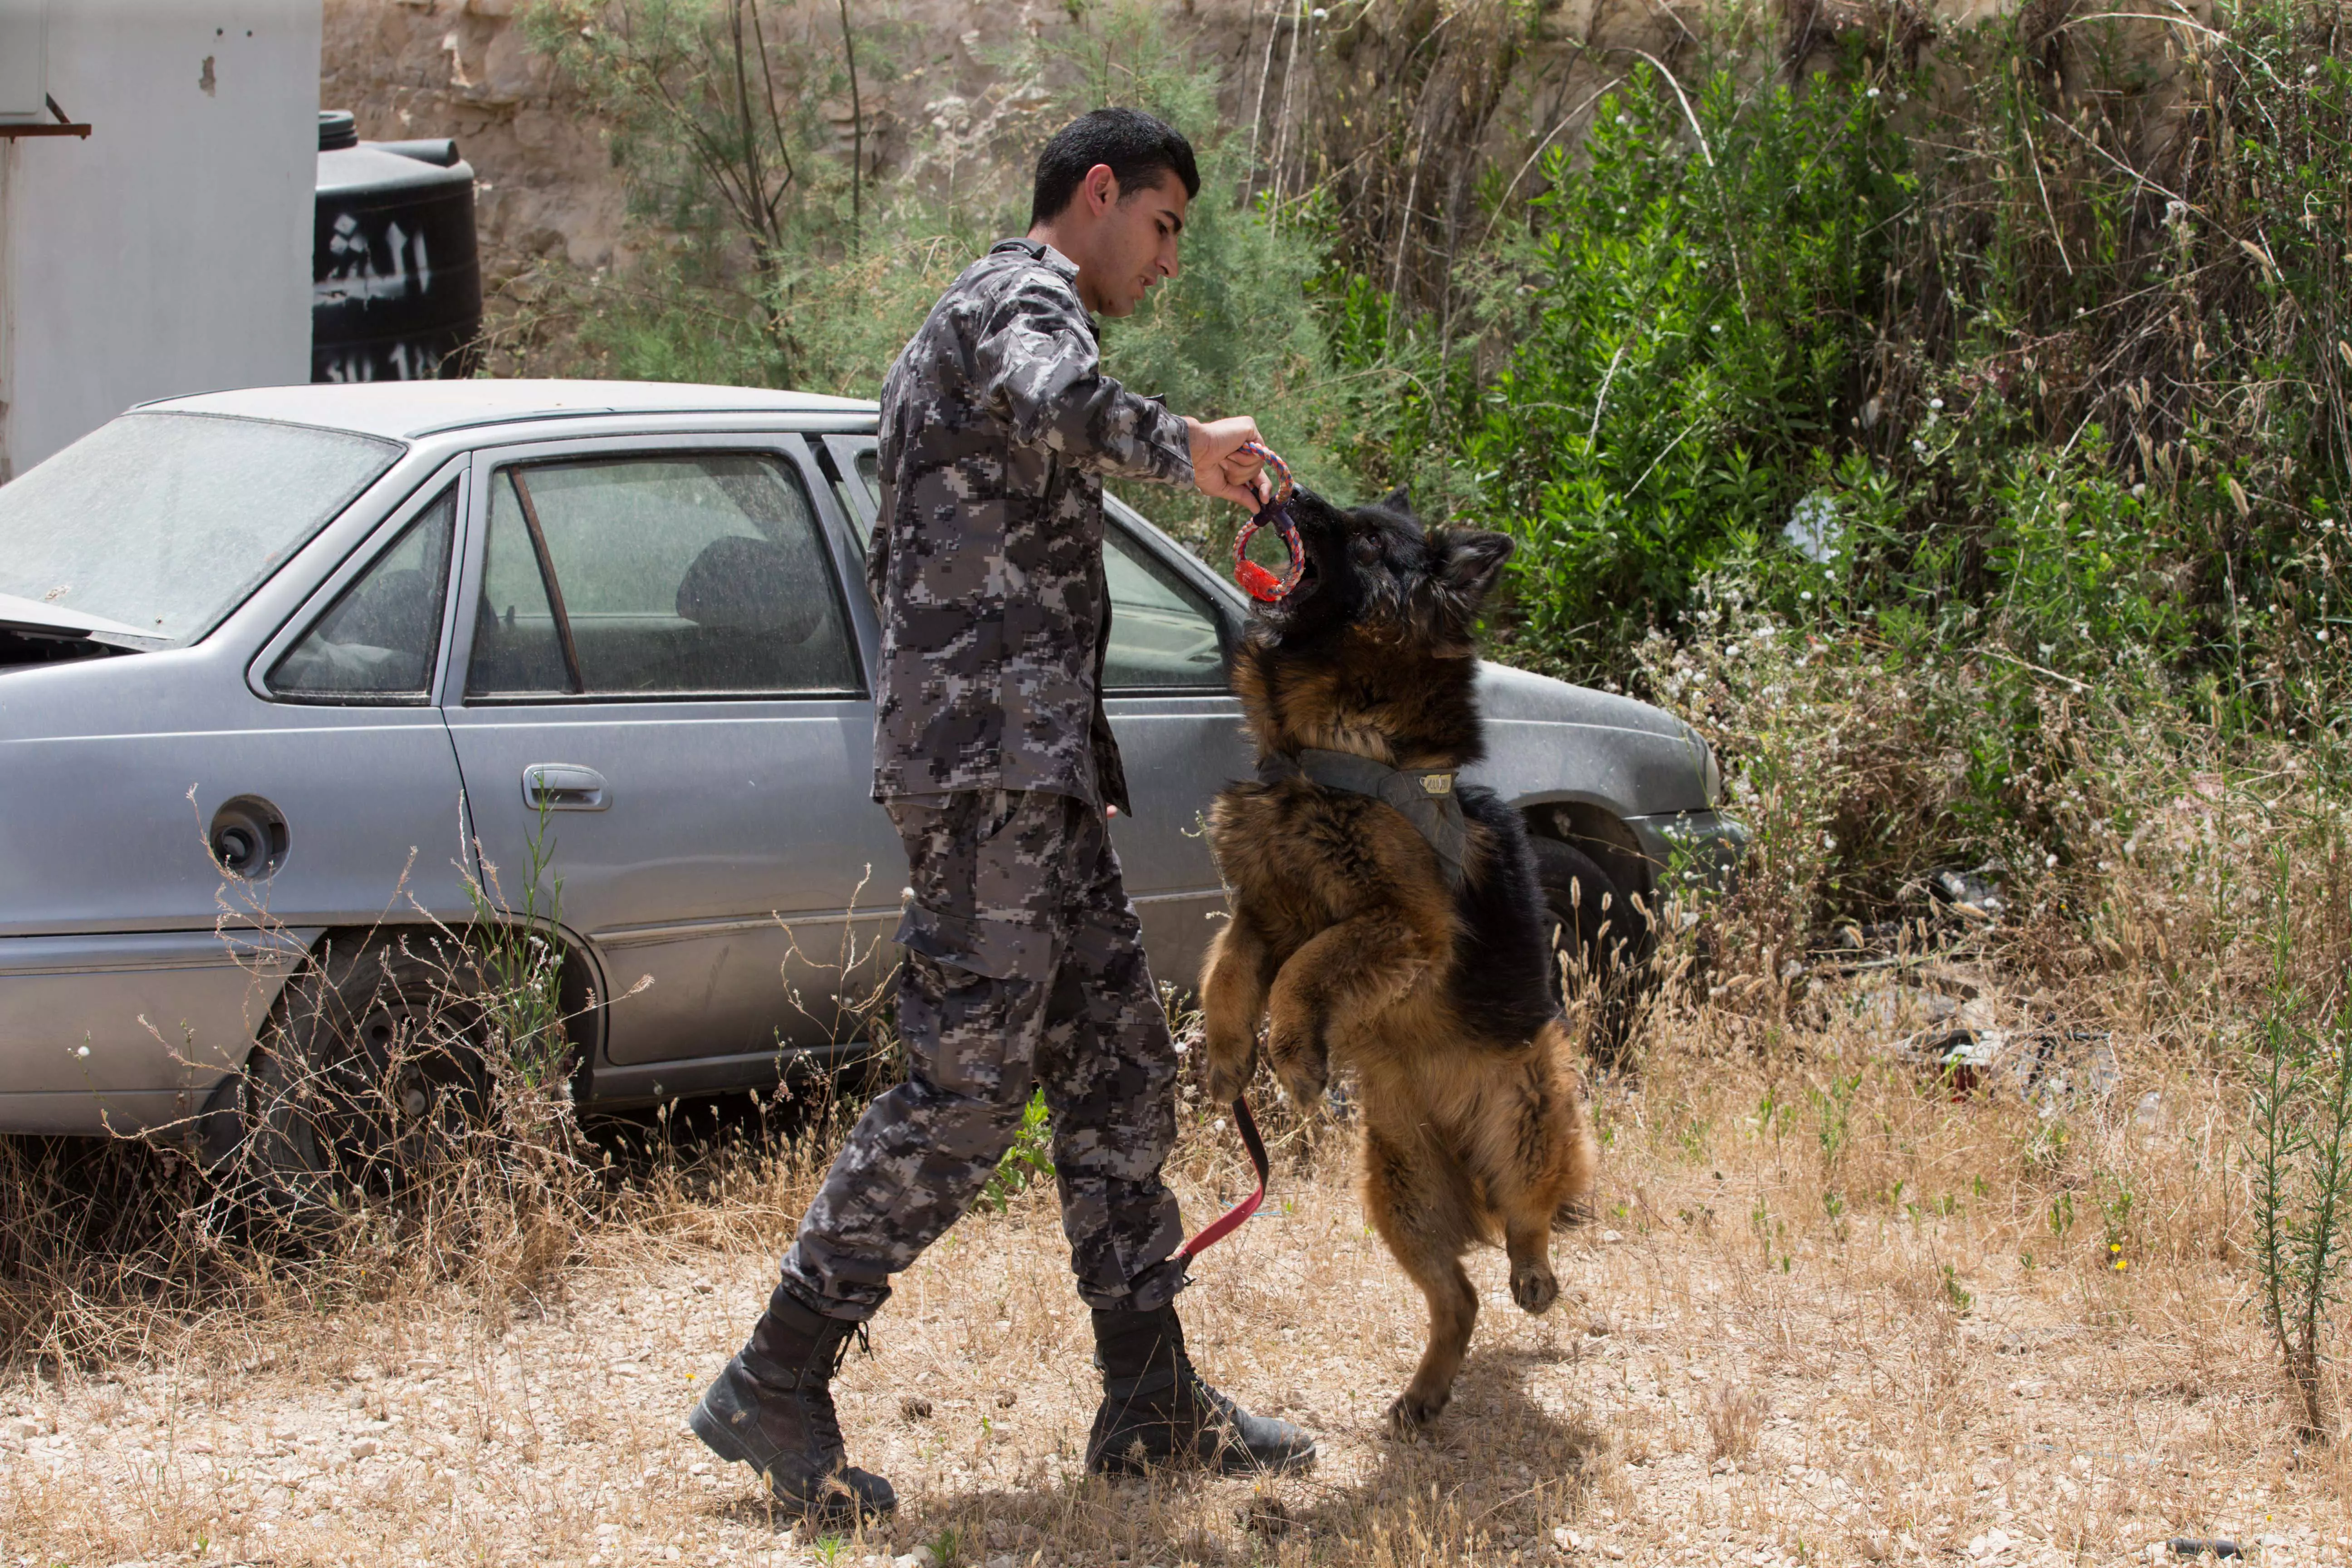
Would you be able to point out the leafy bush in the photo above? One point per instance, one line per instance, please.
(714, 107)
(1692, 300)
(830, 295)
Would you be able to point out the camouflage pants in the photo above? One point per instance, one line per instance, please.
(1024, 964)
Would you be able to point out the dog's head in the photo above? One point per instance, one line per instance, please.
(1376, 573)
(1371, 649)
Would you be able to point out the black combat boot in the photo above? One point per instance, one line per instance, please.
(772, 1408)
(1157, 1411)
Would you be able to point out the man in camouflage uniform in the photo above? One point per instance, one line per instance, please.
(992, 755)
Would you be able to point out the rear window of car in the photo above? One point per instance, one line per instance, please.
(164, 522)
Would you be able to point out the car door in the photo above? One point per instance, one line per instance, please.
(853, 465)
(664, 702)
(1170, 707)
(1179, 735)
(248, 800)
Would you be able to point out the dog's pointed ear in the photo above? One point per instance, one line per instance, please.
(1470, 561)
(1462, 565)
(1397, 500)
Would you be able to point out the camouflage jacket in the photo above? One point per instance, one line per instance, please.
(998, 426)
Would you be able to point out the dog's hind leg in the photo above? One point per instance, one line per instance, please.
(1420, 1203)
(1234, 980)
(1527, 1240)
(1524, 1188)
(1547, 1163)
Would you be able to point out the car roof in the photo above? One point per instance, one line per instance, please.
(406, 409)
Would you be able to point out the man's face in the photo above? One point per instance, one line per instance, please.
(1136, 244)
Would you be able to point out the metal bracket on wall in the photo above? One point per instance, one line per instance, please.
(65, 126)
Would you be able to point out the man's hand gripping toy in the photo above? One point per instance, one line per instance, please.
(1263, 583)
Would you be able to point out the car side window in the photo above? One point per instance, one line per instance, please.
(700, 574)
(376, 642)
(868, 470)
(518, 649)
(1163, 633)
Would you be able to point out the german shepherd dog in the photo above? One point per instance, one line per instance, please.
(1354, 938)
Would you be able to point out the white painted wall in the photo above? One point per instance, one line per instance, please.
(171, 251)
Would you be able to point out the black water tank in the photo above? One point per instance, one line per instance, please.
(396, 288)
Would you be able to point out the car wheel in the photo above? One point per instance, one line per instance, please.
(370, 1078)
(1600, 943)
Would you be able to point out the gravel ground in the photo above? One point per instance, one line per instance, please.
(1755, 1361)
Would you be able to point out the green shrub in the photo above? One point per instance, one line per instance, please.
(1030, 1159)
(835, 289)
(1691, 306)
(715, 108)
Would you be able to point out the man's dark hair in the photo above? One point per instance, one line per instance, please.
(1138, 147)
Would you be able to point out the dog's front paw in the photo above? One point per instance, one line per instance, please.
(1227, 1068)
(1534, 1286)
(1303, 1078)
(1302, 1061)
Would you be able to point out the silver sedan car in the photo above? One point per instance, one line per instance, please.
(292, 668)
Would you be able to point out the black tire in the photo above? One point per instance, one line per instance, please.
(1600, 943)
(370, 1076)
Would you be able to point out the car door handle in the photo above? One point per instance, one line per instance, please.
(564, 786)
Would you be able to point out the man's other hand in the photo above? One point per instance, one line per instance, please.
(1220, 467)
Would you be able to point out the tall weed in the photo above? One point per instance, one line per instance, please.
(2301, 1144)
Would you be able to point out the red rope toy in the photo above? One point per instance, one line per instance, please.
(1262, 585)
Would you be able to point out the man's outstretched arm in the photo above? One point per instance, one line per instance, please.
(1038, 365)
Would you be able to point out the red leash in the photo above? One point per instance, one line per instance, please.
(1268, 588)
(1224, 1225)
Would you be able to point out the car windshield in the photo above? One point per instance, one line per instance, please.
(163, 522)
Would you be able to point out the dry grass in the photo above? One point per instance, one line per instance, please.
(1828, 1312)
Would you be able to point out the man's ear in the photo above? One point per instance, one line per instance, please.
(1100, 186)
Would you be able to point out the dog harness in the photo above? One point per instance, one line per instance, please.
(1423, 797)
